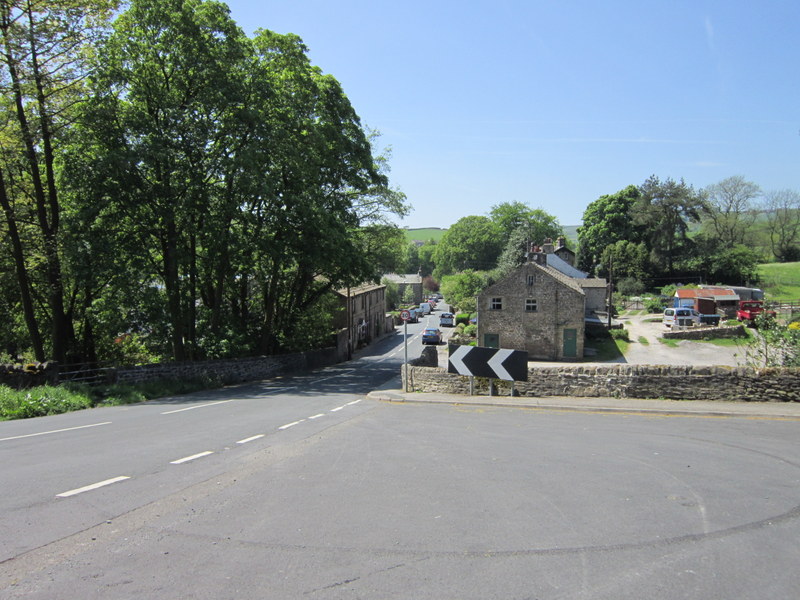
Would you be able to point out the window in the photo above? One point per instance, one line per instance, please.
(496, 304)
(531, 279)
(530, 305)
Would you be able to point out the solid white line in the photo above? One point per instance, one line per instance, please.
(169, 412)
(353, 402)
(317, 416)
(192, 457)
(250, 439)
(19, 437)
(94, 486)
(292, 424)
(337, 408)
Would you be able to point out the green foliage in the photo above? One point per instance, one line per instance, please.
(471, 330)
(619, 334)
(772, 345)
(606, 221)
(461, 289)
(781, 281)
(39, 402)
(533, 225)
(471, 243)
(654, 305)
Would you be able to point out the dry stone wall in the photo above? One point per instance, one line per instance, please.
(628, 381)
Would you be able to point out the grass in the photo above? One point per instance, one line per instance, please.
(424, 234)
(52, 400)
(606, 349)
(643, 340)
(781, 281)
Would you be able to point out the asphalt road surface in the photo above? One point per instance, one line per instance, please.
(305, 488)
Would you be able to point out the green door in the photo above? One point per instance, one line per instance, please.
(491, 340)
(570, 343)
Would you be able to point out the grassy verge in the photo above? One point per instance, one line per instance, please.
(52, 400)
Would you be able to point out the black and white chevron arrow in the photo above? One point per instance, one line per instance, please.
(495, 363)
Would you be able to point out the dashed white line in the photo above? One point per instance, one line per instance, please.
(353, 402)
(250, 439)
(337, 408)
(93, 486)
(317, 416)
(169, 412)
(192, 457)
(19, 437)
(292, 424)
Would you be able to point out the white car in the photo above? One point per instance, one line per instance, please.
(447, 320)
(681, 316)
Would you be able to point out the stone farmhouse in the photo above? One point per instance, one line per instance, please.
(540, 309)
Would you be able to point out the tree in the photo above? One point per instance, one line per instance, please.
(772, 344)
(729, 211)
(535, 224)
(606, 221)
(45, 45)
(472, 242)
(783, 224)
(462, 288)
(664, 211)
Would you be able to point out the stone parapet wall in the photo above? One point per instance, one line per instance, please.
(702, 333)
(229, 371)
(628, 381)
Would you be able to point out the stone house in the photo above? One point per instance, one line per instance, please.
(364, 314)
(535, 308)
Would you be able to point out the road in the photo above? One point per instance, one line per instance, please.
(305, 487)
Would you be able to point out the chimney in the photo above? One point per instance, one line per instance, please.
(561, 242)
(548, 247)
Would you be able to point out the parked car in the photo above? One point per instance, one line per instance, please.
(432, 336)
(686, 317)
(425, 308)
(447, 320)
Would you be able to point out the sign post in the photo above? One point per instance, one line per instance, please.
(405, 315)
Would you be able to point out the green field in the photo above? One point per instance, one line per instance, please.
(424, 234)
(781, 281)
(435, 233)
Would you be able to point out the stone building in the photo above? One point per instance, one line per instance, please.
(537, 309)
(364, 314)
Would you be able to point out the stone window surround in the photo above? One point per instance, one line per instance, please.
(496, 303)
(531, 305)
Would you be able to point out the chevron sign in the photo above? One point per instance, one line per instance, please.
(494, 363)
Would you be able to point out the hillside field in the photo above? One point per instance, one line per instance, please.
(436, 233)
(781, 281)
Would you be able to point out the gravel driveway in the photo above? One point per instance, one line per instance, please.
(687, 352)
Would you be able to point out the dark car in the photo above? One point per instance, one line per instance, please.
(432, 336)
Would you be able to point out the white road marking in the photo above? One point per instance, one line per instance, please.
(192, 457)
(169, 412)
(337, 408)
(94, 486)
(353, 402)
(250, 439)
(19, 437)
(292, 424)
(317, 416)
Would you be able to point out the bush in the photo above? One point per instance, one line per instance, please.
(654, 305)
(40, 401)
(620, 334)
(471, 330)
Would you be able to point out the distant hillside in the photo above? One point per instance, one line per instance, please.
(435, 233)
(425, 234)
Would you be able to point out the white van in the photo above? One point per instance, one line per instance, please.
(425, 308)
(687, 317)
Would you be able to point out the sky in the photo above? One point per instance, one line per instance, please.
(556, 103)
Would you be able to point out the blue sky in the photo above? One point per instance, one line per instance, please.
(556, 103)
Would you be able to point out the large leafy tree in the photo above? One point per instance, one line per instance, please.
(664, 211)
(516, 219)
(606, 221)
(729, 212)
(782, 209)
(472, 242)
(45, 44)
